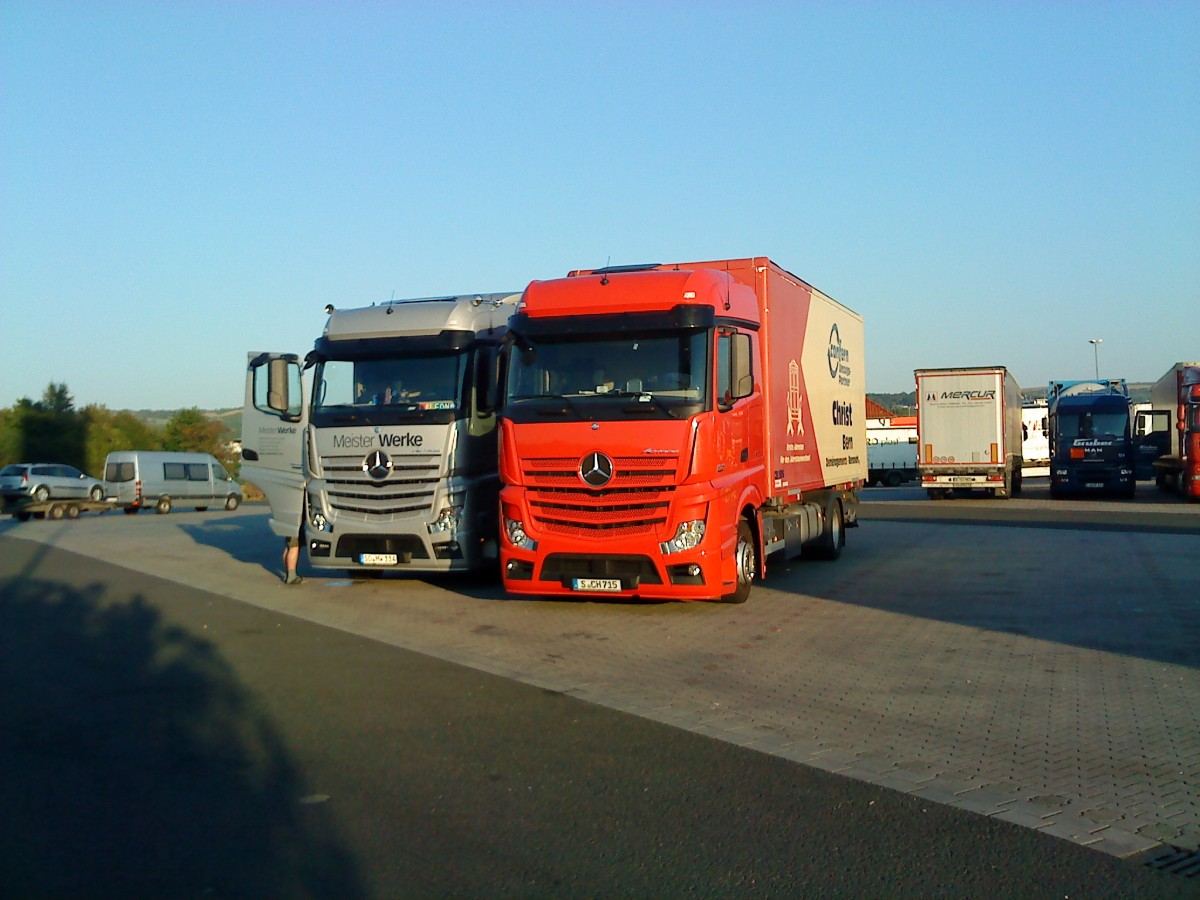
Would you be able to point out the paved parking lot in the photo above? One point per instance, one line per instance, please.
(1035, 662)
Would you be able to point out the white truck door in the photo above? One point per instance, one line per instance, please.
(274, 419)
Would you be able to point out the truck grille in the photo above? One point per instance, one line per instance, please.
(636, 501)
(408, 488)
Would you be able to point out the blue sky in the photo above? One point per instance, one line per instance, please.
(183, 182)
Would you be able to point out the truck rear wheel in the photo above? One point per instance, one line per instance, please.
(231, 502)
(746, 564)
(829, 545)
(164, 505)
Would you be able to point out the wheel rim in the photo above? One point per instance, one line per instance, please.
(746, 564)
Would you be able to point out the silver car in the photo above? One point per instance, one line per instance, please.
(48, 481)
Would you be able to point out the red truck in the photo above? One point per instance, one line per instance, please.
(1172, 428)
(666, 428)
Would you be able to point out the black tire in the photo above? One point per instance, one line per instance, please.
(72, 510)
(164, 505)
(130, 510)
(893, 479)
(56, 511)
(232, 502)
(96, 494)
(201, 509)
(830, 544)
(23, 516)
(746, 564)
(41, 493)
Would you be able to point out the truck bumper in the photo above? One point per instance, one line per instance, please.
(622, 569)
(1106, 480)
(414, 543)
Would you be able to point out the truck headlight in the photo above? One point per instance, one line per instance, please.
(687, 537)
(317, 520)
(447, 520)
(515, 531)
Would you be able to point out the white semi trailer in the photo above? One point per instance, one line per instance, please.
(378, 450)
(969, 430)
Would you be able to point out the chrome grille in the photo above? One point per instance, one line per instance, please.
(636, 501)
(409, 488)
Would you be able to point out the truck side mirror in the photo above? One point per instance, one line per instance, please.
(743, 373)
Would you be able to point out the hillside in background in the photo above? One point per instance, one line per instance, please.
(230, 418)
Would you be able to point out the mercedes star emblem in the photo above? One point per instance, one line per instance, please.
(596, 469)
(377, 465)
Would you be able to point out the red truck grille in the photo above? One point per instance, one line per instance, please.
(636, 501)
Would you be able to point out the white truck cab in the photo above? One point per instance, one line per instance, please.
(378, 450)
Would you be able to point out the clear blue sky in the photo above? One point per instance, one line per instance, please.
(986, 183)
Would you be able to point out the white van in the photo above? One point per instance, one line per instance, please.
(162, 479)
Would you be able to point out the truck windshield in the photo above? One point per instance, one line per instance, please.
(664, 375)
(1093, 424)
(426, 387)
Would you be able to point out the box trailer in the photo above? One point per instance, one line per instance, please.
(666, 428)
(969, 431)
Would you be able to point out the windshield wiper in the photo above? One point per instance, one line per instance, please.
(568, 405)
(645, 399)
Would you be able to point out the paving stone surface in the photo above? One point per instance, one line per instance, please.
(1045, 676)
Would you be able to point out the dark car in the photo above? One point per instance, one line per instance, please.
(48, 481)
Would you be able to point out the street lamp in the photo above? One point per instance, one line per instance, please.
(1096, 342)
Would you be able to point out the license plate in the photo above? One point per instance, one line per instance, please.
(1094, 484)
(596, 584)
(377, 559)
(962, 479)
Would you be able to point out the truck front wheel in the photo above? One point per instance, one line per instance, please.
(746, 563)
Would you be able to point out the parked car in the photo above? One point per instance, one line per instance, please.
(48, 481)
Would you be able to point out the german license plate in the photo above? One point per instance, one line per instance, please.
(377, 559)
(962, 479)
(596, 584)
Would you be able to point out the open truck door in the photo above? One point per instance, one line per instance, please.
(274, 419)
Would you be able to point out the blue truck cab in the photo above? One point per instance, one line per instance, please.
(1091, 446)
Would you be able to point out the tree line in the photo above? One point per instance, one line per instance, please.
(53, 430)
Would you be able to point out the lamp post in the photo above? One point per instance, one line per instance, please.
(1096, 342)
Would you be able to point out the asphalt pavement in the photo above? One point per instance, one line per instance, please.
(164, 741)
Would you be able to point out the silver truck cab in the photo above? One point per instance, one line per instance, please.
(378, 450)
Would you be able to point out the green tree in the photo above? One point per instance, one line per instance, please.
(190, 429)
(108, 431)
(48, 430)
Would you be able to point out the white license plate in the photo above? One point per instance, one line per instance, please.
(377, 559)
(962, 479)
(1094, 484)
(596, 584)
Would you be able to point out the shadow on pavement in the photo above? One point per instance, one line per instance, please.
(135, 764)
(246, 538)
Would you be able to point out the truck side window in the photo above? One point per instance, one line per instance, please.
(735, 378)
